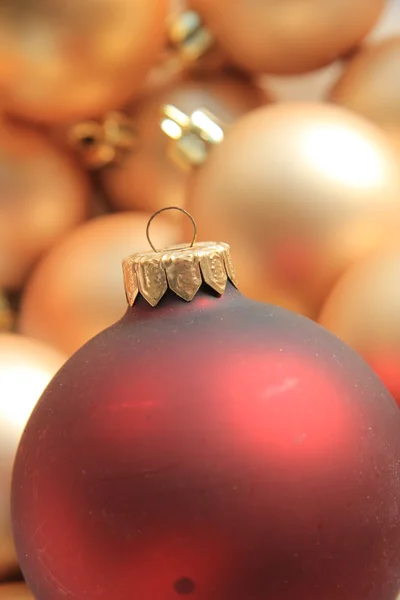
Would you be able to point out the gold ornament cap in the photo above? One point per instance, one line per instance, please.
(189, 37)
(182, 269)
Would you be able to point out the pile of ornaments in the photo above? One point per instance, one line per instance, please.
(277, 126)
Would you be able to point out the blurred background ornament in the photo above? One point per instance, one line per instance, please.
(370, 85)
(43, 194)
(76, 290)
(317, 85)
(300, 192)
(289, 37)
(364, 311)
(6, 315)
(15, 591)
(26, 367)
(145, 179)
(66, 59)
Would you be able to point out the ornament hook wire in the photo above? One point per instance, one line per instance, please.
(185, 212)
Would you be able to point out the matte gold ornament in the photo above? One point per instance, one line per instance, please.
(370, 86)
(26, 367)
(15, 591)
(364, 311)
(300, 192)
(145, 179)
(76, 290)
(287, 37)
(43, 195)
(65, 60)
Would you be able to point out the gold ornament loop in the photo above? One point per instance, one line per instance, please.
(163, 210)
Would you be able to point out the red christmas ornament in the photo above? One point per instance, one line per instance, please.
(220, 449)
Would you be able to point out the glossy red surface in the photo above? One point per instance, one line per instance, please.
(223, 450)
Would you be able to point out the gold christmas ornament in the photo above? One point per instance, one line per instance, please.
(15, 591)
(43, 195)
(145, 179)
(65, 60)
(26, 367)
(76, 290)
(370, 85)
(364, 311)
(300, 192)
(288, 37)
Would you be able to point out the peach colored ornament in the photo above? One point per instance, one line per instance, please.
(77, 289)
(26, 367)
(43, 194)
(370, 86)
(294, 36)
(62, 60)
(300, 192)
(364, 311)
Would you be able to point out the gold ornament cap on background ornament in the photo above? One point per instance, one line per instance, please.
(182, 269)
(189, 37)
(191, 136)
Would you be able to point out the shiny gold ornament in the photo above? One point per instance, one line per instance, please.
(43, 194)
(15, 591)
(288, 37)
(364, 311)
(67, 60)
(146, 179)
(76, 291)
(102, 142)
(26, 367)
(370, 85)
(300, 192)
(6, 316)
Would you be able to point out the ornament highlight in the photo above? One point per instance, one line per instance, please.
(76, 290)
(234, 449)
(26, 367)
(300, 191)
(364, 311)
(43, 195)
(66, 59)
(288, 37)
